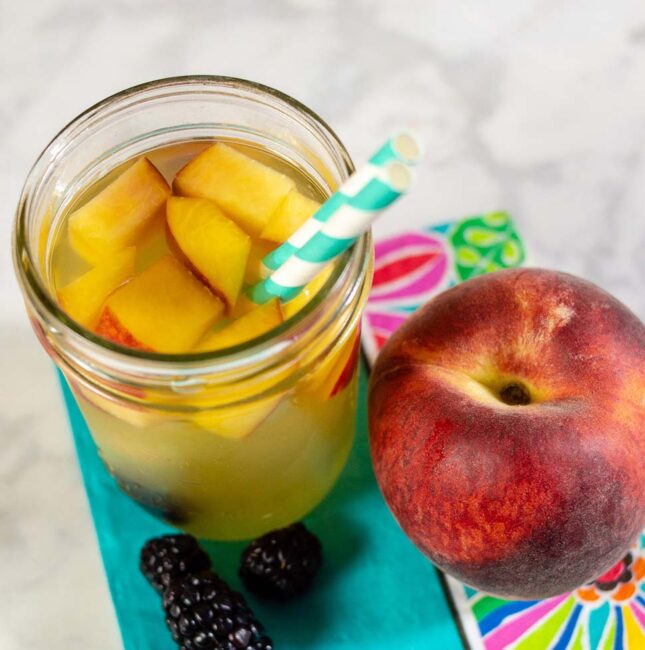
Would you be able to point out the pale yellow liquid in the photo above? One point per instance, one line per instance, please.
(182, 471)
(228, 489)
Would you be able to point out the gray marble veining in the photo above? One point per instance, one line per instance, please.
(535, 106)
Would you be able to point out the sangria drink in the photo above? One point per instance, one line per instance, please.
(224, 417)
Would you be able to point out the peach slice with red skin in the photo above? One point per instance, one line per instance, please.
(334, 372)
(289, 216)
(109, 327)
(83, 298)
(165, 309)
(248, 191)
(348, 369)
(119, 214)
(212, 245)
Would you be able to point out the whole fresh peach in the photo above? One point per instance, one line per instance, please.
(507, 431)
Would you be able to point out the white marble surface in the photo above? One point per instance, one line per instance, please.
(536, 106)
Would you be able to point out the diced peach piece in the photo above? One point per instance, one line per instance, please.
(152, 245)
(243, 306)
(334, 372)
(235, 411)
(212, 245)
(238, 421)
(83, 298)
(259, 250)
(165, 309)
(248, 191)
(255, 323)
(110, 327)
(347, 371)
(289, 216)
(115, 217)
(309, 291)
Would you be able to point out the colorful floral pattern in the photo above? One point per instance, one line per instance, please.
(413, 267)
(484, 244)
(607, 614)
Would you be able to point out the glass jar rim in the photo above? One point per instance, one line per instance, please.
(27, 268)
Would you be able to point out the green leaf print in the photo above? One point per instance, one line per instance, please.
(495, 219)
(482, 238)
(467, 257)
(485, 243)
(511, 253)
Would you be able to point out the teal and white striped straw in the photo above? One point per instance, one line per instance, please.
(336, 234)
(403, 146)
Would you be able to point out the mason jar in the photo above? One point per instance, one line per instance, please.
(226, 444)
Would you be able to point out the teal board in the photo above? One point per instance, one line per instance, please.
(375, 591)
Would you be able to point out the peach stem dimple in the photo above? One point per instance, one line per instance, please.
(515, 394)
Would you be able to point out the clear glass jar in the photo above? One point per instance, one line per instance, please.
(227, 444)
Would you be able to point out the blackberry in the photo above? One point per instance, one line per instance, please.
(282, 563)
(204, 613)
(157, 504)
(166, 558)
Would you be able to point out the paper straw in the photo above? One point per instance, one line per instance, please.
(336, 235)
(402, 146)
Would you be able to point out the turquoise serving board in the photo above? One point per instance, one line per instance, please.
(374, 592)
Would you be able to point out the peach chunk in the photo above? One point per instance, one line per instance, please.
(335, 372)
(117, 215)
(210, 243)
(165, 309)
(235, 411)
(83, 298)
(242, 307)
(259, 250)
(248, 191)
(253, 324)
(153, 244)
(238, 421)
(289, 216)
